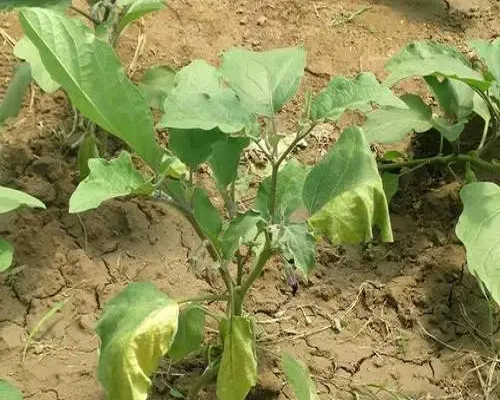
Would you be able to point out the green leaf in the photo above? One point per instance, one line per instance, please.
(238, 367)
(344, 192)
(190, 333)
(225, 159)
(193, 146)
(343, 94)
(431, 58)
(86, 151)
(298, 244)
(207, 215)
(156, 84)
(107, 180)
(490, 53)
(455, 97)
(241, 230)
(393, 124)
(10, 199)
(135, 9)
(9, 392)
(6, 257)
(200, 100)
(136, 331)
(298, 377)
(27, 51)
(391, 185)
(264, 81)
(288, 198)
(392, 155)
(59, 5)
(479, 230)
(14, 97)
(449, 131)
(84, 65)
(171, 166)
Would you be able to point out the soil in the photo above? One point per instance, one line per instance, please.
(393, 319)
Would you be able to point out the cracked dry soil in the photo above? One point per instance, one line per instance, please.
(405, 316)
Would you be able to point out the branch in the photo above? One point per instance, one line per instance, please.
(201, 298)
(86, 15)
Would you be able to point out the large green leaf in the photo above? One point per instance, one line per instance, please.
(206, 215)
(90, 72)
(52, 4)
(265, 81)
(241, 230)
(490, 53)
(10, 199)
(136, 331)
(107, 180)
(344, 192)
(238, 367)
(156, 83)
(392, 124)
(9, 392)
(479, 230)
(288, 196)
(299, 378)
(193, 146)
(344, 94)
(431, 58)
(14, 97)
(297, 244)
(225, 159)
(200, 100)
(6, 256)
(27, 51)
(135, 9)
(190, 333)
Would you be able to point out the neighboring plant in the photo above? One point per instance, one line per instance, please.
(462, 90)
(9, 392)
(212, 115)
(10, 200)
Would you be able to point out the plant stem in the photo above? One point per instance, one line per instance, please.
(474, 160)
(241, 291)
(85, 14)
(201, 298)
(208, 376)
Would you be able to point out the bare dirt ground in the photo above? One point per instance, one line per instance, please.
(402, 316)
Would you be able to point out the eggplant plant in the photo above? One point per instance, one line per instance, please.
(9, 392)
(211, 115)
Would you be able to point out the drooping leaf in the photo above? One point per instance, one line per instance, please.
(9, 392)
(135, 9)
(288, 196)
(52, 4)
(430, 58)
(264, 81)
(450, 131)
(490, 53)
(479, 230)
(10, 199)
(241, 229)
(454, 97)
(136, 330)
(107, 180)
(14, 97)
(193, 146)
(391, 185)
(238, 367)
(206, 215)
(298, 244)
(344, 94)
(190, 333)
(94, 79)
(200, 100)
(344, 192)
(225, 158)
(298, 377)
(156, 83)
(6, 256)
(392, 124)
(87, 150)
(25, 50)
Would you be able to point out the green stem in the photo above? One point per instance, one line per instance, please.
(241, 291)
(201, 298)
(474, 160)
(208, 376)
(86, 15)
